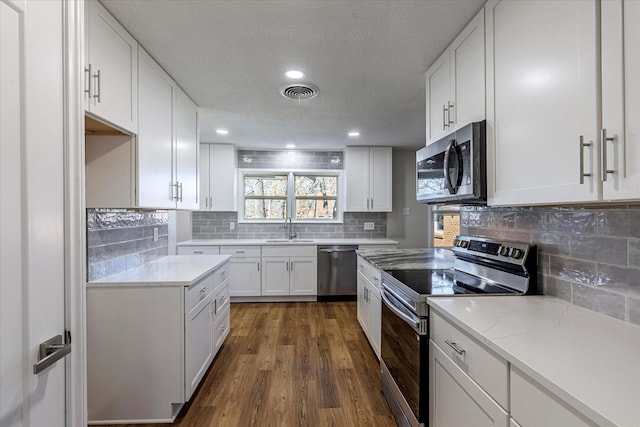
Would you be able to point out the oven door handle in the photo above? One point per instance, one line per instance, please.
(407, 317)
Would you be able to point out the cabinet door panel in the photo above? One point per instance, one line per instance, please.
(381, 179)
(375, 320)
(468, 74)
(275, 276)
(205, 172)
(362, 308)
(198, 344)
(303, 276)
(155, 139)
(245, 277)
(222, 182)
(357, 168)
(621, 97)
(438, 92)
(114, 53)
(542, 95)
(186, 151)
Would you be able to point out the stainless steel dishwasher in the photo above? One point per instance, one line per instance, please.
(337, 277)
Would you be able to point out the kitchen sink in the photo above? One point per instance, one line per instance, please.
(289, 241)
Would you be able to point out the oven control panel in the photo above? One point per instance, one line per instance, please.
(511, 252)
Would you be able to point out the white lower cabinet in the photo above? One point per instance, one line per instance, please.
(369, 306)
(468, 383)
(457, 400)
(149, 346)
(289, 270)
(198, 343)
(245, 270)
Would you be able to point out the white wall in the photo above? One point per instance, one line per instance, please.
(411, 231)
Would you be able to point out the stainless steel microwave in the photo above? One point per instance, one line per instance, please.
(453, 169)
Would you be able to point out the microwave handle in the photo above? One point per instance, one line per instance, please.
(447, 157)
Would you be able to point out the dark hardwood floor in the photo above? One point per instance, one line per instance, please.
(291, 364)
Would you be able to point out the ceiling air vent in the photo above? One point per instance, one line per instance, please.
(299, 91)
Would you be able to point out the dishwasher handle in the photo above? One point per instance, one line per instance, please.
(330, 251)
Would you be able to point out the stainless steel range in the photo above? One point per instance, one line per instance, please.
(480, 267)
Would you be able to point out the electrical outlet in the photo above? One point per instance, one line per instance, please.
(369, 226)
(232, 225)
(155, 234)
(406, 211)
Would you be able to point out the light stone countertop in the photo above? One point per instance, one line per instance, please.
(265, 242)
(589, 360)
(409, 259)
(172, 270)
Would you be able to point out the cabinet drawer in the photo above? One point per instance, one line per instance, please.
(241, 251)
(370, 272)
(221, 274)
(533, 405)
(481, 364)
(290, 250)
(198, 250)
(198, 292)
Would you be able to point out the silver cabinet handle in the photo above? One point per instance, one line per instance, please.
(287, 265)
(215, 306)
(454, 346)
(206, 202)
(582, 145)
(198, 252)
(171, 185)
(210, 202)
(449, 108)
(605, 170)
(372, 203)
(239, 252)
(258, 265)
(366, 294)
(444, 117)
(87, 89)
(52, 350)
(97, 77)
(179, 184)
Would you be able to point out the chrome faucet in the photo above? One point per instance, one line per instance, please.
(288, 225)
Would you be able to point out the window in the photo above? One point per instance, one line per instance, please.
(265, 196)
(304, 196)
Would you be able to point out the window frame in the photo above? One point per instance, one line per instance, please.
(291, 197)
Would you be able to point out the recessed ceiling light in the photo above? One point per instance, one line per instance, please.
(353, 134)
(294, 74)
(222, 132)
(291, 145)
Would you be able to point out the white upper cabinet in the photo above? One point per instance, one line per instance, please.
(217, 177)
(156, 99)
(186, 152)
(167, 141)
(455, 83)
(369, 179)
(111, 73)
(542, 102)
(620, 99)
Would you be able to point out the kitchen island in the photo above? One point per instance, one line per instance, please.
(152, 333)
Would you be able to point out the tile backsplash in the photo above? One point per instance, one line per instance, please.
(589, 256)
(118, 239)
(253, 159)
(215, 225)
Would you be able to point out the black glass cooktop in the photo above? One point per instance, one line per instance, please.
(426, 282)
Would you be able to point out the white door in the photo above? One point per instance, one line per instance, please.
(32, 232)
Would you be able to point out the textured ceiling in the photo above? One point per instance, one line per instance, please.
(368, 59)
